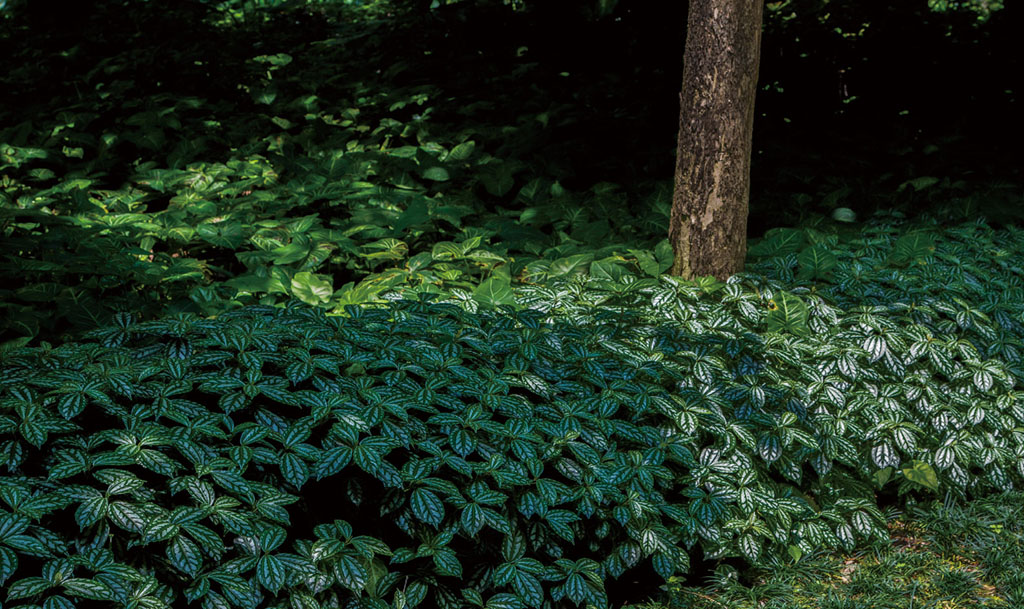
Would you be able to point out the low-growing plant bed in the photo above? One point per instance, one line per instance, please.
(946, 557)
(420, 454)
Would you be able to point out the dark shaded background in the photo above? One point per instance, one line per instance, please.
(856, 99)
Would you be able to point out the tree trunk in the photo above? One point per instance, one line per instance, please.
(708, 227)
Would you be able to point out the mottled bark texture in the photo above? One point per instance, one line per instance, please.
(708, 226)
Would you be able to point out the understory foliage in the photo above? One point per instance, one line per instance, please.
(203, 156)
(393, 338)
(424, 454)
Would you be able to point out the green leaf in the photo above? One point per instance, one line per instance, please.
(944, 457)
(270, 572)
(778, 242)
(494, 291)
(293, 252)
(912, 247)
(185, 556)
(350, 573)
(883, 475)
(30, 586)
(575, 588)
(862, 522)
(498, 178)
(665, 255)
(333, 461)
(787, 313)
(227, 234)
(312, 289)
(569, 265)
(844, 214)
(769, 447)
(255, 283)
(462, 151)
(504, 601)
(294, 470)
(923, 474)
(427, 507)
(647, 262)
(91, 511)
(750, 547)
(58, 602)
(88, 588)
(816, 262)
(472, 519)
(277, 59)
(446, 562)
(8, 563)
(513, 547)
(884, 455)
(608, 269)
(528, 588)
(919, 184)
(795, 553)
(416, 214)
(436, 174)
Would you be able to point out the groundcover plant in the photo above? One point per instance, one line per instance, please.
(279, 328)
(421, 454)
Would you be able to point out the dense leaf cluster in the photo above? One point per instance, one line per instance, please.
(149, 193)
(423, 454)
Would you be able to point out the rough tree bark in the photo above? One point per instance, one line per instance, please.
(708, 226)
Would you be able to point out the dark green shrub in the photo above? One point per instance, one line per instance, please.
(426, 455)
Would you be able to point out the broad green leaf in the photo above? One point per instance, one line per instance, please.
(227, 234)
(795, 553)
(446, 251)
(415, 215)
(919, 184)
(472, 519)
(787, 313)
(498, 178)
(385, 249)
(256, 283)
(923, 474)
(575, 588)
(844, 214)
(883, 475)
(569, 264)
(778, 242)
(912, 247)
(293, 252)
(647, 262)
(462, 151)
(294, 470)
(750, 547)
(612, 268)
(277, 59)
(493, 292)
(816, 262)
(312, 289)
(436, 174)
(664, 254)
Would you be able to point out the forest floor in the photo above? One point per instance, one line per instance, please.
(938, 558)
(201, 165)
